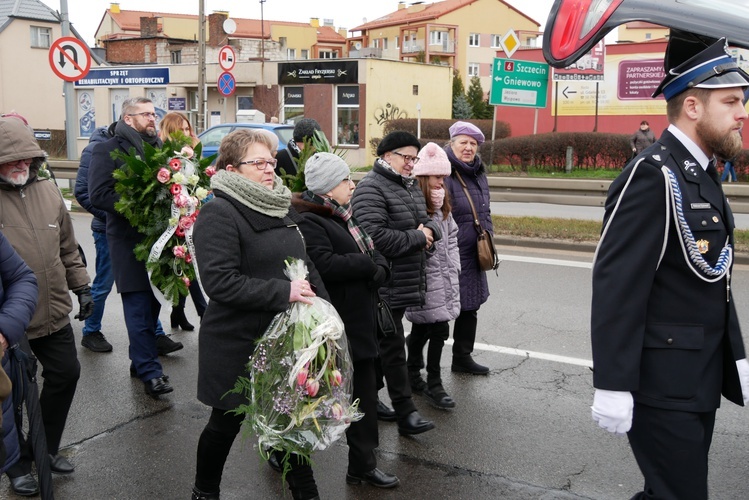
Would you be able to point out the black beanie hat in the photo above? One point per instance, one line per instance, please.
(397, 139)
(305, 129)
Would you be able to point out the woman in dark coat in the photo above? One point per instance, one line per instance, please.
(352, 271)
(465, 139)
(18, 295)
(242, 238)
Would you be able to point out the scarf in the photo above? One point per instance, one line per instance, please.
(362, 239)
(474, 167)
(255, 196)
(293, 149)
(135, 138)
(438, 198)
(407, 181)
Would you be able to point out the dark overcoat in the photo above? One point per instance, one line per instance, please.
(240, 256)
(390, 211)
(99, 220)
(347, 273)
(474, 288)
(129, 273)
(659, 330)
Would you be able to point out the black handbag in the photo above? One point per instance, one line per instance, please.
(385, 321)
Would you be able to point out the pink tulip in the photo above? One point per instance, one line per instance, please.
(175, 164)
(210, 171)
(312, 387)
(301, 377)
(337, 411)
(163, 175)
(188, 258)
(335, 377)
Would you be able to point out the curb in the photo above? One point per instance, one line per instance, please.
(573, 246)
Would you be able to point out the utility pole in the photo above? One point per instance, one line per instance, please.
(69, 90)
(201, 125)
(262, 34)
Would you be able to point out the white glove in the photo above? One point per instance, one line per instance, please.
(742, 366)
(612, 410)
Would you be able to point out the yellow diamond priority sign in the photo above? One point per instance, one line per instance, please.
(510, 42)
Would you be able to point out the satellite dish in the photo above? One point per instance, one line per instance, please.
(357, 45)
(230, 26)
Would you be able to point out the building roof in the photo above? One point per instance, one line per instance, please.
(129, 20)
(430, 11)
(25, 9)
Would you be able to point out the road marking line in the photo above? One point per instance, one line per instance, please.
(530, 354)
(551, 262)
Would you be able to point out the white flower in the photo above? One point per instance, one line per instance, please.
(178, 178)
(193, 180)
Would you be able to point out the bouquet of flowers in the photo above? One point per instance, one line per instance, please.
(161, 195)
(300, 384)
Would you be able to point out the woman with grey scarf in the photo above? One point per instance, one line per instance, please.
(242, 238)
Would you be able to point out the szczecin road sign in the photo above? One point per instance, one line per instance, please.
(519, 83)
(226, 84)
(69, 58)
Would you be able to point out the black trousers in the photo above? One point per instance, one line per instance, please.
(215, 444)
(464, 335)
(363, 436)
(60, 370)
(671, 449)
(393, 363)
(435, 334)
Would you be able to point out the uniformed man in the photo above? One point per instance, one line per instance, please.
(665, 335)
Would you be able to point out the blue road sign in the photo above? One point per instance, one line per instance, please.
(226, 84)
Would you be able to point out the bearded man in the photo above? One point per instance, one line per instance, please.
(141, 308)
(665, 335)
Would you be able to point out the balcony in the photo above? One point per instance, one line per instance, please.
(412, 47)
(446, 47)
(366, 52)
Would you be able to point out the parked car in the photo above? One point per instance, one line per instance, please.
(574, 27)
(211, 138)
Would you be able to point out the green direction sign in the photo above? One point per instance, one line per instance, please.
(519, 83)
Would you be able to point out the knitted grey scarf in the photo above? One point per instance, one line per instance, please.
(253, 195)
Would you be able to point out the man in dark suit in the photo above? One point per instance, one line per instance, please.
(141, 308)
(665, 334)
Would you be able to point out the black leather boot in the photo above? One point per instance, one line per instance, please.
(180, 320)
(202, 495)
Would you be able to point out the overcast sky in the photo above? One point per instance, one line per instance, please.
(85, 15)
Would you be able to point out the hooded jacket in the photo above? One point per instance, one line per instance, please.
(35, 220)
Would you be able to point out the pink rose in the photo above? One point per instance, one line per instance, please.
(176, 189)
(163, 175)
(210, 171)
(186, 280)
(301, 377)
(181, 199)
(312, 387)
(187, 152)
(186, 222)
(175, 164)
(335, 377)
(179, 251)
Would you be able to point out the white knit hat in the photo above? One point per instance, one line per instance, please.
(432, 161)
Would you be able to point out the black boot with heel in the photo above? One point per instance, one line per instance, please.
(179, 319)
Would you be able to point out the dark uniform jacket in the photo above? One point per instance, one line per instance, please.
(390, 212)
(240, 254)
(658, 329)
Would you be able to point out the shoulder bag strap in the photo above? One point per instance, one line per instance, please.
(476, 222)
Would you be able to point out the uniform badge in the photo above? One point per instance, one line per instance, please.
(703, 246)
(657, 157)
(715, 219)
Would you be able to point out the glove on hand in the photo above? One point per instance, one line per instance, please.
(612, 410)
(86, 302)
(742, 366)
(379, 277)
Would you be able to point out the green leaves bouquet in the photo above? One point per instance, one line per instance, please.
(161, 195)
(300, 383)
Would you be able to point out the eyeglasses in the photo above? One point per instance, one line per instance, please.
(407, 158)
(259, 164)
(144, 114)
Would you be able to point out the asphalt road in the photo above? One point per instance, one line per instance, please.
(523, 432)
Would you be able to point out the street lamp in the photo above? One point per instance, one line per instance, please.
(262, 32)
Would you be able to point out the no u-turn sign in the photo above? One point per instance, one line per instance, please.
(69, 58)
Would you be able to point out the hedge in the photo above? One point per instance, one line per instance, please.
(440, 128)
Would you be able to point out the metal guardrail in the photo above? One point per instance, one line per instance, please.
(64, 169)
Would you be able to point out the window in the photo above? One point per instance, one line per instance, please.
(473, 69)
(176, 56)
(328, 54)
(305, 53)
(397, 45)
(245, 102)
(648, 36)
(293, 104)
(473, 40)
(290, 54)
(376, 43)
(496, 39)
(437, 37)
(347, 115)
(41, 37)
(385, 43)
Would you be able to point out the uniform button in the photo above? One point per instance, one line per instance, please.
(704, 223)
(670, 341)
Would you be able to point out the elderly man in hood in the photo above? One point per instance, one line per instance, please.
(34, 218)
